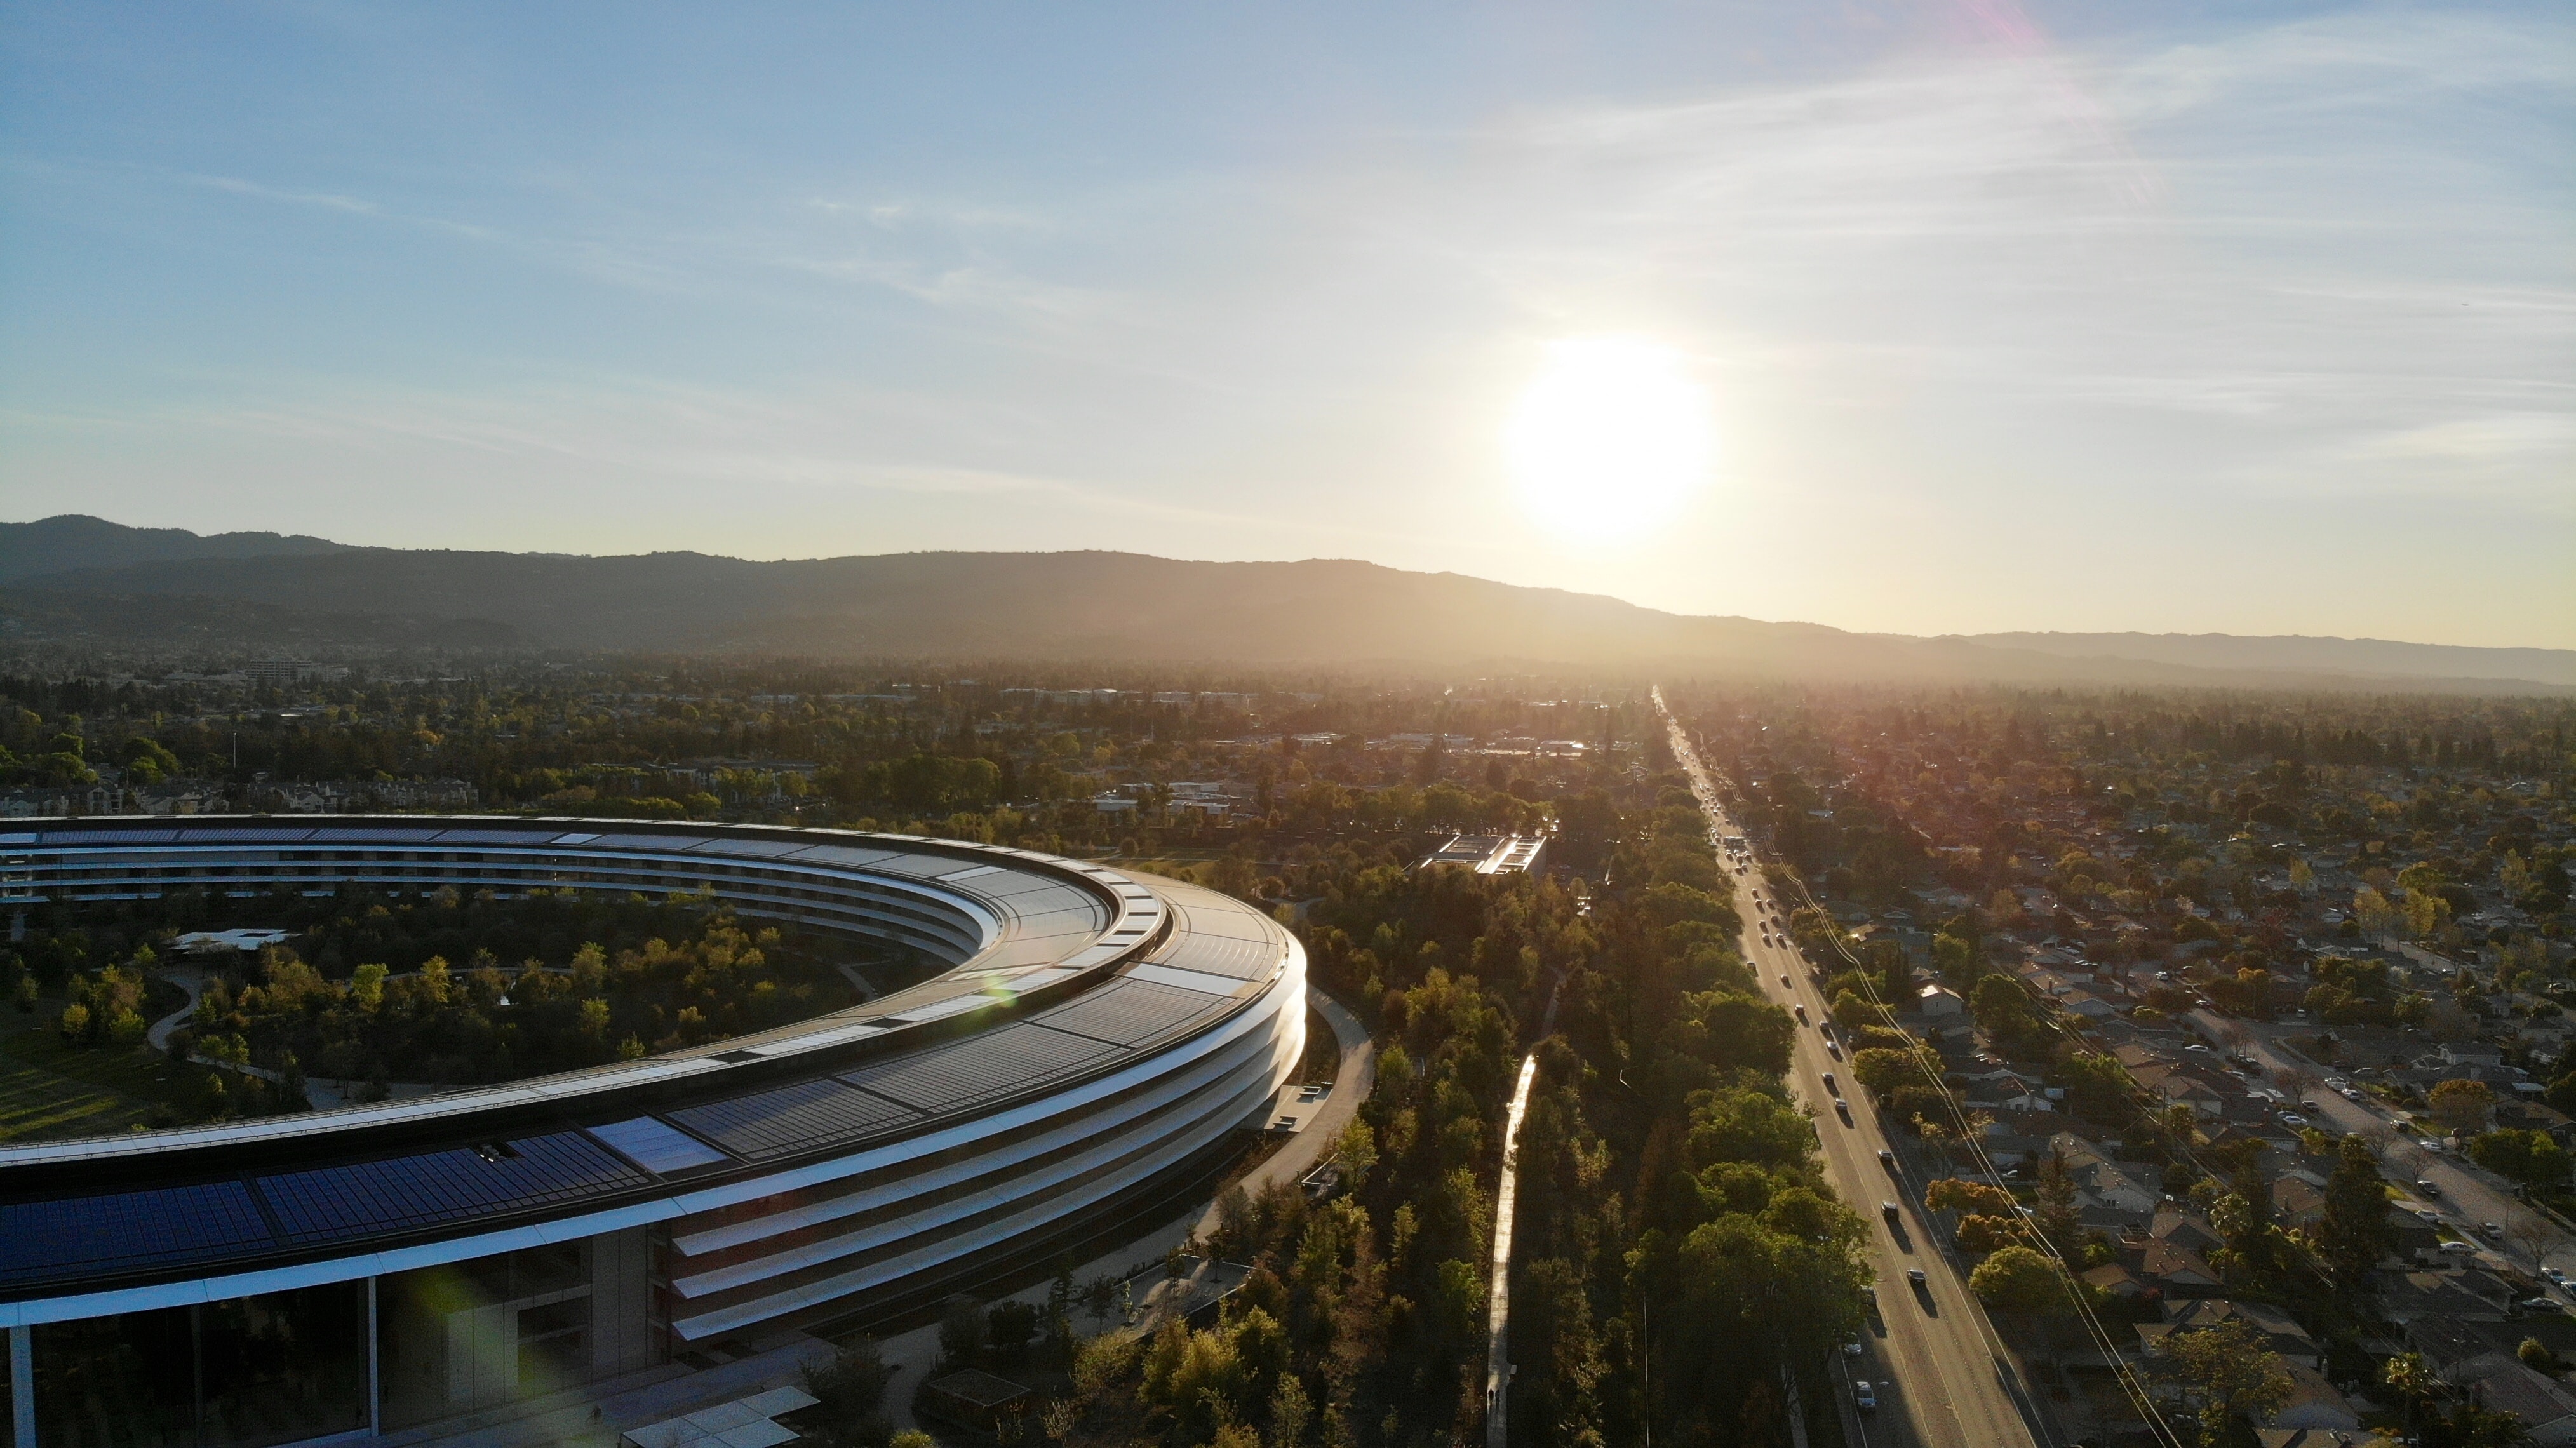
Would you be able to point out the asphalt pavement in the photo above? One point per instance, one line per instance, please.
(1943, 1378)
(2468, 1197)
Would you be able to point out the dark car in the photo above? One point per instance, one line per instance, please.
(1842, 1109)
(1888, 1210)
(1887, 1158)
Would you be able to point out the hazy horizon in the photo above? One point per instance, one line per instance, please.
(1947, 318)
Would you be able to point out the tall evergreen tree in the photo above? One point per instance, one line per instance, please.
(2354, 1233)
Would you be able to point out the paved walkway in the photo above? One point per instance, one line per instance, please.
(1498, 1305)
(192, 981)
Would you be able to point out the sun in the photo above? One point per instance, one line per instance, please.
(1610, 438)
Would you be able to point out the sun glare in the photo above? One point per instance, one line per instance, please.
(1611, 437)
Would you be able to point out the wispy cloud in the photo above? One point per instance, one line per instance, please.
(324, 200)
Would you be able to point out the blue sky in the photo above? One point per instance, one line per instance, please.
(2243, 318)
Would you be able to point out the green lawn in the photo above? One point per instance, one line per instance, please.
(50, 1090)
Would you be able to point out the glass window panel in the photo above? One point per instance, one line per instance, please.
(472, 1335)
(283, 1366)
(128, 1379)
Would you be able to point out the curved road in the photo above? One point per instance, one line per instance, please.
(1943, 1379)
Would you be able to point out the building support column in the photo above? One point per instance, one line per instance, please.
(375, 1379)
(22, 1386)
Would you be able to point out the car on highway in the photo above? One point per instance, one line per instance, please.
(1830, 1085)
(1918, 1277)
(1864, 1398)
(1887, 1158)
(2428, 1216)
(1784, 982)
(2426, 1186)
(1833, 1048)
(1842, 1109)
(1851, 1347)
(1801, 1012)
(1888, 1210)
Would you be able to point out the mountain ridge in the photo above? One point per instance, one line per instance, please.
(1089, 605)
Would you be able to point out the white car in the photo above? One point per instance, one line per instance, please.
(2337, 1082)
(2292, 1118)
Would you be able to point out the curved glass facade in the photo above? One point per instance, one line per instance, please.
(391, 1266)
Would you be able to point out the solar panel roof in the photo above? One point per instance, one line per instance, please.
(110, 837)
(1216, 955)
(751, 847)
(163, 1226)
(248, 836)
(963, 1072)
(791, 1119)
(1129, 1012)
(495, 837)
(419, 1191)
(632, 841)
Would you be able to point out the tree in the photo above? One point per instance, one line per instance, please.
(1983, 1234)
(2096, 1087)
(2414, 1382)
(2018, 1279)
(2056, 1216)
(961, 1331)
(2256, 1252)
(2224, 1371)
(2529, 1157)
(1950, 1194)
(2354, 1233)
(1883, 1070)
(2460, 1105)
(851, 1385)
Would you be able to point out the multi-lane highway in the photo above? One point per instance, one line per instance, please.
(1941, 1377)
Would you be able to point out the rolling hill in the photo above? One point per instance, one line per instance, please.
(78, 576)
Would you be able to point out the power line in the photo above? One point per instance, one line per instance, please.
(1924, 1059)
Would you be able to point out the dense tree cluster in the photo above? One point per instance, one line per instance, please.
(1678, 1249)
(479, 1021)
